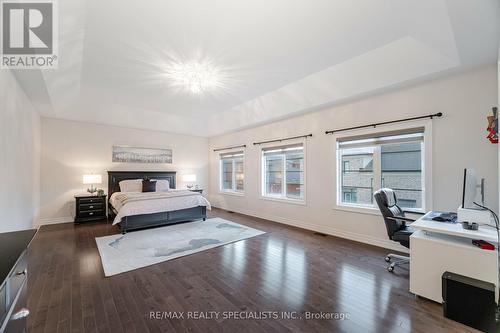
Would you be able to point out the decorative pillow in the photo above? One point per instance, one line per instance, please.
(162, 185)
(148, 186)
(131, 185)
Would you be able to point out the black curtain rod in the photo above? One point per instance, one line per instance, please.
(279, 140)
(226, 148)
(439, 114)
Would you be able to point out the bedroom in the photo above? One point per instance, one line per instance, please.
(175, 169)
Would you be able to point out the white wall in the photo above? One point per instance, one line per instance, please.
(71, 149)
(458, 142)
(20, 156)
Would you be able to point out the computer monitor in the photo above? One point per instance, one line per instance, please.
(470, 189)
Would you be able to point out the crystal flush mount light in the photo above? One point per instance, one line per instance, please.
(194, 77)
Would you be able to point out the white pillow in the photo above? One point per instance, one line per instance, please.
(162, 185)
(131, 185)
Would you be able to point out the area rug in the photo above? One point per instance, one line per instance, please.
(123, 253)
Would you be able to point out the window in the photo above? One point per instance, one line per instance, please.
(391, 159)
(232, 172)
(283, 172)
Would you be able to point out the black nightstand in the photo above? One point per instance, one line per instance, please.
(90, 208)
(199, 190)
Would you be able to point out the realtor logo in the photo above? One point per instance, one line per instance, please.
(28, 34)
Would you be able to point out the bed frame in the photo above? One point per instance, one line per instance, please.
(136, 222)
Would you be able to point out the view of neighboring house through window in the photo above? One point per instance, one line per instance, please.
(283, 172)
(393, 160)
(357, 176)
(402, 172)
(232, 173)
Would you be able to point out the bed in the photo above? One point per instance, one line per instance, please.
(148, 220)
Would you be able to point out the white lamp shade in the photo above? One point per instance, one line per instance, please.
(189, 178)
(92, 179)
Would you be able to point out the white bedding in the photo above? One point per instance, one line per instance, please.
(129, 204)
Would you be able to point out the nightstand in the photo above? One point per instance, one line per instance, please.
(199, 190)
(90, 208)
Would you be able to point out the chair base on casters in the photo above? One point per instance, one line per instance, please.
(401, 261)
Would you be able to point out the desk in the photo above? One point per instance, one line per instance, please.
(488, 234)
(437, 247)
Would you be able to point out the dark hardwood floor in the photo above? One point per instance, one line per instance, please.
(286, 269)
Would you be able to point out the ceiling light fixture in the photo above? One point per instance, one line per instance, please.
(194, 77)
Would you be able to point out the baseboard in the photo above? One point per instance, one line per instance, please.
(53, 220)
(362, 238)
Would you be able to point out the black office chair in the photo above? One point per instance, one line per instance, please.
(395, 223)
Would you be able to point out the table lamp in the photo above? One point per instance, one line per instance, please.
(189, 180)
(91, 180)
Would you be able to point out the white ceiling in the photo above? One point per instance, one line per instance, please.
(281, 57)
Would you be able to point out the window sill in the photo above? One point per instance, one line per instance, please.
(358, 209)
(372, 210)
(283, 200)
(233, 193)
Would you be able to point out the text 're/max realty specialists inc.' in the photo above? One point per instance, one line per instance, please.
(243, 315)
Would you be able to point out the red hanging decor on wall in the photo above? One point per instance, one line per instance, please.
(493, 127)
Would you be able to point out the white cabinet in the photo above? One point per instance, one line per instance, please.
(432, 254)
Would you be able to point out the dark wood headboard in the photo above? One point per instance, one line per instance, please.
(115, 177)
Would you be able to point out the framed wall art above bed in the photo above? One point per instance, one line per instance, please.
(127, 154)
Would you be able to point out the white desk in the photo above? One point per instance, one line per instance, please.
(485, 233)
(437, 247)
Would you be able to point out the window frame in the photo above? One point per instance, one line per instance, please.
(233, 190)
(426, 161)
(283, 199)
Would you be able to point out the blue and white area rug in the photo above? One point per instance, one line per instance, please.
(123, 253)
